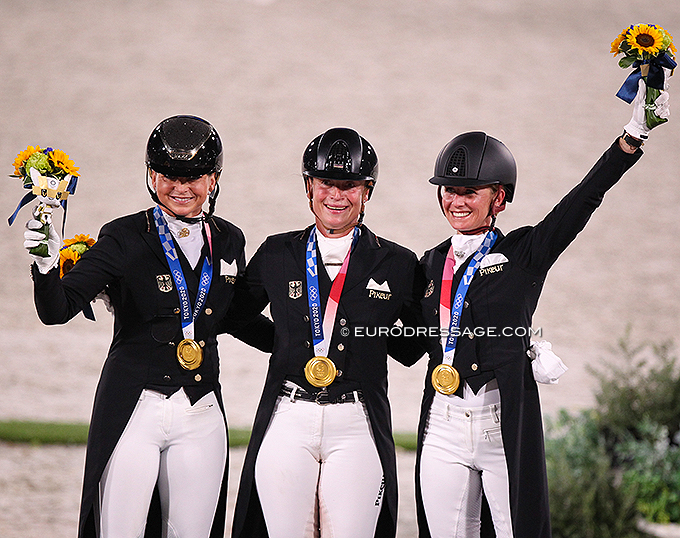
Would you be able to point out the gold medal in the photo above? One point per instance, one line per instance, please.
(320, 371)
(445, 379)
(189, 354)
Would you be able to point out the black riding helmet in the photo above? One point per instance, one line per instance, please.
(341, 153)
(476, 159)
(185, 146)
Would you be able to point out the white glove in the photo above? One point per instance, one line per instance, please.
(663, 105)
(33, 237)
(546, 366)
(637, 126)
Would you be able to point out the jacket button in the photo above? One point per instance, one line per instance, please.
(471, 336)
(167, 378)
(339, 373)
(466, 305)
(341, 347)
(208, 311)
(306, 318)
(474, 367)
(307, 344)
(198, 377)
(201, 343)
(343, 322)
(434, 311)
(171, 344)
(176, 310)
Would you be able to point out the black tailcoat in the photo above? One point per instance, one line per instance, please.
(129, 263)
(276, 276)
(503, 297)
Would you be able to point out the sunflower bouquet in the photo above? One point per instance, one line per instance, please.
(649, 49)
(51, 176)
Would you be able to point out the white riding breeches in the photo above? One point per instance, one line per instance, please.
(318, 472)
(180, 447)
(462, 455)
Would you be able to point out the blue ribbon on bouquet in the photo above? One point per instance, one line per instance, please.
(655, 78)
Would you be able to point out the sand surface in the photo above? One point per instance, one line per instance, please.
(94, 77)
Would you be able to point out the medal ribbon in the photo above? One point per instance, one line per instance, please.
(188, 316)
(452, 315)
(319, 328)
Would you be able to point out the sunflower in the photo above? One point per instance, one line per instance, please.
(79, 244)
(67, 259)
(21, 159)
(61, 161)
(79, 238)
(620, 39)
(646, 39)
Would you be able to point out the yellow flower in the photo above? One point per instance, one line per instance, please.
(22, 157)
(72, 250)
(67, 259)
(615, 44)
(61, 160)
(80, 238)
(646, 39)
(671, 47)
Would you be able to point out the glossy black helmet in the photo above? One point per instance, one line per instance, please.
(184, 146)
(476, 159)
(341, 153)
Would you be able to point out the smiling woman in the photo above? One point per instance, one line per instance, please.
(480, 435)
(337, 204)
(471, 208)
(183, 196)
(322, 282)
(163, 360)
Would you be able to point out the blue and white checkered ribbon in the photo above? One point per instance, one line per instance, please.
(187, 314)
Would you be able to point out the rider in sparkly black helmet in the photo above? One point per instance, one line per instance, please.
(185, 147)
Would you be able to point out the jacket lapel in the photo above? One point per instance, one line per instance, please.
(151, 237)
(434, 268)
(297, 246)
(365, 257)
